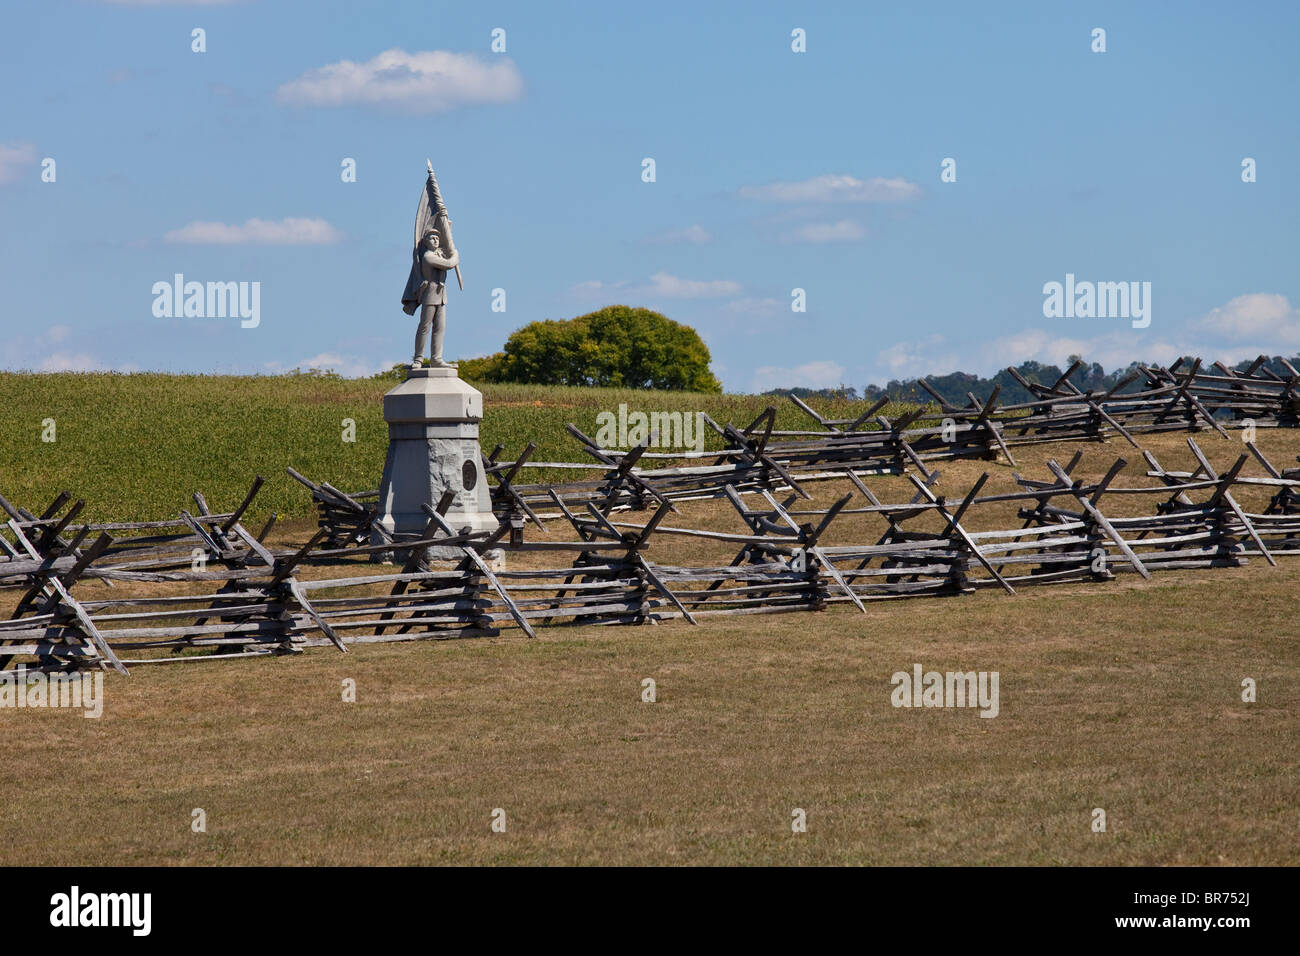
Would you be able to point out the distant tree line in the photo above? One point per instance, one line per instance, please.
(954, 386)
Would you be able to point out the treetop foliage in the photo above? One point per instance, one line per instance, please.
(618, 346)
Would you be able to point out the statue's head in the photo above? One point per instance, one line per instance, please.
(432, 239)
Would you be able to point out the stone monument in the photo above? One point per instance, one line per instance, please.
(432, 416)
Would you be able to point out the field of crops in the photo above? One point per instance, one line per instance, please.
(135, 447)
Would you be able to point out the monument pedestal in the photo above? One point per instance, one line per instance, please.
(433, 447)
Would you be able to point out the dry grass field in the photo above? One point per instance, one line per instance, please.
(1123, 695)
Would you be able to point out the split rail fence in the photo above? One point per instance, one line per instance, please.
(216, 591)
(761, 457)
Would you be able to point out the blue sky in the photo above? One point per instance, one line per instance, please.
(775, 170)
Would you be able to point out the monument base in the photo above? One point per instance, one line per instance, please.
(433, 448)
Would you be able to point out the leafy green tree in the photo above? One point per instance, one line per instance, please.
(617, 346)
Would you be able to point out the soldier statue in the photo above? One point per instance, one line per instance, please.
(426, 285)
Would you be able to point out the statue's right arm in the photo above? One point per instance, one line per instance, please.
(435, 261)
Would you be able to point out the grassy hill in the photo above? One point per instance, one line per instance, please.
(135, 447)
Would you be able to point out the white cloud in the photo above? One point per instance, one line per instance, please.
(910, 359)
(42, 349)
(423, 82)
(13, 159)
(845, 230)
(661, 285)
(754, 306)
(1241, 329)
(347, 367)
(1265, 319)
(594, 288)
(672, 287)
(694, 234)
(285, 232)
(1042, 346)
(821, 374)
(835, 188)
(936, 356)
(1111, 349)
(71, 362)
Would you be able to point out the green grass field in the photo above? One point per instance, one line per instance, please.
(135, 447)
